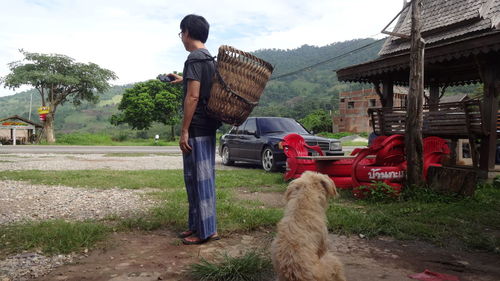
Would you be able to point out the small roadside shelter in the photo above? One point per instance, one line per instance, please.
(462, 47)
(16, 129)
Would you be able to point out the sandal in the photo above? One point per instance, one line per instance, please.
(186, 233)
(198, 241)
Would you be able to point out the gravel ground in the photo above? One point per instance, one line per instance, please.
(26, 266)
(20, 201)
(93, 161)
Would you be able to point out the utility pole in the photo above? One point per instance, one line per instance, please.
(414, 118)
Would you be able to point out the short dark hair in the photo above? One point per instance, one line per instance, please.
(197, 26)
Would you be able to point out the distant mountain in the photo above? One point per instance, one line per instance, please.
(315, 88)
(291, 96)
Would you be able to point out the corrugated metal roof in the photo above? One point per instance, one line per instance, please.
(453, 98)
(443, 20)
(14, 117)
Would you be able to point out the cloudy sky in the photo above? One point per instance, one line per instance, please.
(138, 39)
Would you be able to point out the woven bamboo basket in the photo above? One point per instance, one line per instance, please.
(239, 83)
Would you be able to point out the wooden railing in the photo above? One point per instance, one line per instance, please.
(448, 120)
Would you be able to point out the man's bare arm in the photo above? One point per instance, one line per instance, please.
(190, 103)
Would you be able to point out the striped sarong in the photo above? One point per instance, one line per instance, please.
(199, 177)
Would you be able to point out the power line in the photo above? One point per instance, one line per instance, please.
(328, 60)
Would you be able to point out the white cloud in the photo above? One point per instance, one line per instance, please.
(138, 39)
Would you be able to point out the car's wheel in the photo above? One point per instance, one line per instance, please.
(267, 160)
(226, 159)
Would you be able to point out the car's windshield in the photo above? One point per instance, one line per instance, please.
(281, 125)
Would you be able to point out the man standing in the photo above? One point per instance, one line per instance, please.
(197, 140)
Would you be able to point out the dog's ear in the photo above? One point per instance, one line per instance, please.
(329, 186)
(291, 189)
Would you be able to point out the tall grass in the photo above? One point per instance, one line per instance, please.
(252, 266)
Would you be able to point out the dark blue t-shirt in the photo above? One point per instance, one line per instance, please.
(200, 67)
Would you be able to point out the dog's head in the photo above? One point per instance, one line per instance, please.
(313, 181)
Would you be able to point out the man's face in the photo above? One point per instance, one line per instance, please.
(184, 37)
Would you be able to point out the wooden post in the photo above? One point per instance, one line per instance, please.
(433, 97)
(388, 93)
(413, 137)
(454, 146)
(491, 80)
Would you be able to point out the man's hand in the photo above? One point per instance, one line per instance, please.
(178, 78)
(183, 142)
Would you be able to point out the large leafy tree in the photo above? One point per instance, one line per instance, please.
(318, 121)
(58, 79)
(148, 102)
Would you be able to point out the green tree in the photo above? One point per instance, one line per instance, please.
(58, 79)
(318, 121)
(148, 102)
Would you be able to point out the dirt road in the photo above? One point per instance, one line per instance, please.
(158, 255)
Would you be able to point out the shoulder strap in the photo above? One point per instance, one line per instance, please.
(208, 58)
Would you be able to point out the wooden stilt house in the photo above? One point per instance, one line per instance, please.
(462, 46)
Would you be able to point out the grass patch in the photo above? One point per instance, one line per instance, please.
(103, 139)
(355, 143)
(421, 214)
(252, 266)
(51, 237)
(472, 223)
(341, 134)
(232, 216)
(161, 179)
(139, 154)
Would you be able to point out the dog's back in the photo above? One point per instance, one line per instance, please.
(300, 250)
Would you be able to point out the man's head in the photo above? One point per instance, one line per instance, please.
(196, 26)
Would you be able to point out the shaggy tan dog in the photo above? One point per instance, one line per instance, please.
(300, 249)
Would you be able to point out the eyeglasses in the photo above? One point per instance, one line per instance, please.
(180, 34)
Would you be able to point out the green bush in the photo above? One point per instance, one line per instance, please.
(120, 137)
(378, 192)
(496, 182)
(318, 121)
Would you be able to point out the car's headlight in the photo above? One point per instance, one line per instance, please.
(335, 145)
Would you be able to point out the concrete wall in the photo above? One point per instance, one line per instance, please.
(353, 110)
